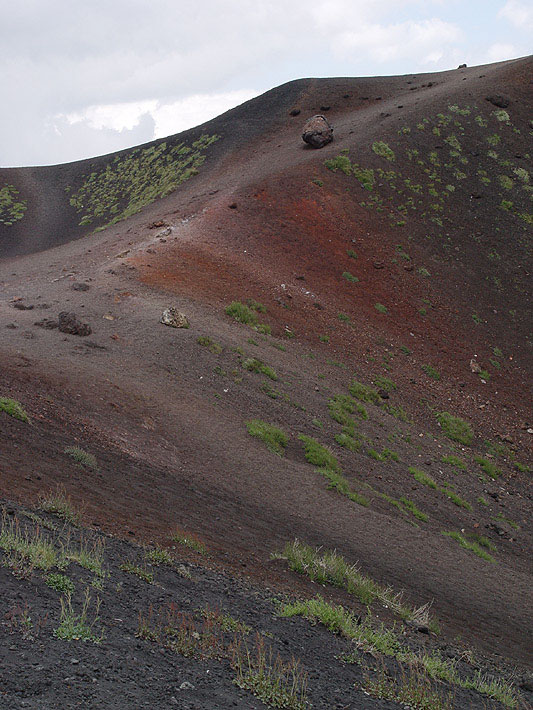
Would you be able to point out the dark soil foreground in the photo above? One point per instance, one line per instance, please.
(119, 667)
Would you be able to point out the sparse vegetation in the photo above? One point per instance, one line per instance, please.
(242, 313)
(81, 457)
(454, 461)
(488, 467)
(59, 503)
(380, 308)
(318, 455)
(431, 372)
(455, 428)
(211, 345)
(329, 567)
(190, 541)
(468, 545)
(13, 409)
(383, 150)
(60, 582)
(275, 439)
(77, 627)
(349, 277)
(252, 364)
(141, 572)
(272, 680)
(412, 689)
(364, 393)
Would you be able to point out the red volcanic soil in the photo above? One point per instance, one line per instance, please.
(265, 219)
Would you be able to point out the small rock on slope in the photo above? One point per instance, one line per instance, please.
(174, 318)
(71, 324)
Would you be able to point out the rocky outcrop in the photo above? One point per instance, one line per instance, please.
(71, 324)
(174, 318)
(317, 132)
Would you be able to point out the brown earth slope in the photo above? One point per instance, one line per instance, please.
(400, 251)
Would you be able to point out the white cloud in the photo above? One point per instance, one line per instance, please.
(499, 52)
(519, 14)
(424, 40)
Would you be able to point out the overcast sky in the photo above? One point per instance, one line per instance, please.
(82, 78)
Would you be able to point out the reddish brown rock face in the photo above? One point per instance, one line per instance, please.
(317, 132)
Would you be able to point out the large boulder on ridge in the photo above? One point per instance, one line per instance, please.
(317, 132)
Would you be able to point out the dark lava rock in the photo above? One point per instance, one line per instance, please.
(317, 132)
(71, 324)
(47, 323)
(295, 112)
(497, 100)
(80, 286)
(527, 683)
(22, 307)
(461, 66)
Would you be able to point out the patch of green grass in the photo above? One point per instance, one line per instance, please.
(141, 572)
(380, 308)
(190, 541)
(159, 556)
(488, 467)
(13, 409)
(348, 442)
(454, 461)
(324, 338)
(275, 439)
(340, 162)
(412, 508)
(77, 627)
(351, 253)
(329, 567)
(455, 498)
(431, 372)
(60, 582)
(397, 413)
(349, 277)
(522, 467)
(385, 455)
(364, 393)
(412, 689)
(89, 555)
(276, 683)
(242, 313)
(365, 635)
(27, 546)
(81, 457)
(60, 504)
(510, 522)
(422, 477)
(455, 428)
(343, 317)
(211, 345)
(383, 383)
(318, 455)
(472, 546)
(338, 482)
(225, 622)
(252, 364)
(383, 150)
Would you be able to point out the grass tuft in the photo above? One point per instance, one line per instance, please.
(82, 457)
(13, 409)
(275, 439)
(455, 428)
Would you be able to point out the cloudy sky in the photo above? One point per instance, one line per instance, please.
(82, 78)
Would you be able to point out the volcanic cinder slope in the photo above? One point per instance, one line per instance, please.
(399, 256)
